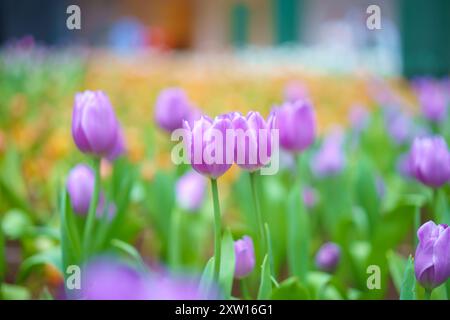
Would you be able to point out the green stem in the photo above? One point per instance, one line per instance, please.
(217, 229)
(90, 222)
(174, 248)
(244, 290)
(428, 294)
(416, 225)
(259, 218)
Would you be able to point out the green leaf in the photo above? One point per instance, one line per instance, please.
(407, 291)
(207, 278)
(442, 212)
(367, 195)
(317, 282)
(290, 289)
(14, 292)
(52, 256)
(15, 224)
(298, 234)
(130, 251)
(227, 264)
(397, 266)
(265, 286)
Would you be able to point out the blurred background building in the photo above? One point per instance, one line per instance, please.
(415, 34)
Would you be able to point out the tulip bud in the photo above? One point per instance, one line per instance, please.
(245, 257)
(432, 258)
(252, 147)
(80, 186)
(296, 123)
(172, 108)
(110, 279)
(327, 259)
(430, 161)
(330, 159)
(207, 147)
(190, 191)
(294, 91)
(95, 128)
(309, 196)
(433, 99)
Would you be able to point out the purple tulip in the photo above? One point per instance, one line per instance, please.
(328, 257)
(330, 159)
(294, 91)
(253, 140)
(358, 117)
(398, 125)
(95, 128)
(245, 257)
(309, 197)
(430, 161)
(172, 108)
(110, 279)
(190, 191)
(119, 147)
(80, 186)
(403, 165)
(207, 147)
(296, 123)
(432, 258)
(433, 99)
(170, 287)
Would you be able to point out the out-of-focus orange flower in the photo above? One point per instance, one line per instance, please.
(52, 275)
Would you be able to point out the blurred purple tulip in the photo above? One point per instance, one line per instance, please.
(294, 91)
(190, 191)
(111, 279)
(253, 140)
(245, 257)
(118, 148)
(95, 128)
(430, 161)
(80, 186)
(172, 108)
(309, 196)
(432, 258)
(433, 99)
(330, 159)
(328, 257)
(399, 126)
(207, 147)
(359, 117)
(170, 287)
(296, 123)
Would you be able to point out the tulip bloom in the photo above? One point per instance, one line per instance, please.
(95, 128)
(296, 123)
(330, 159)
(433, 99)
(328, 257)
(359, 117)
(208, 150)
(110, 279)
(430, 161)
(80, 186)
(309, 196)
(172, 108)
(432, 258)
(294, 91)
(252, 149)
(245, 257)
(190, 191)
